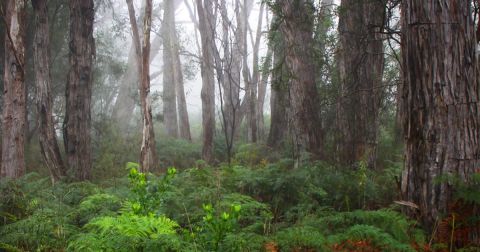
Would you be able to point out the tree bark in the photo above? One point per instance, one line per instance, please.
(148, 157)
(360, 64)
(14, 100)
(205, 15)
(46, 124)
(440, 102)
(297, 30)
(279, 99)
(79, 89)
(169, 81)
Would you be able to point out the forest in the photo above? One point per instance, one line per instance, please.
(240, 125)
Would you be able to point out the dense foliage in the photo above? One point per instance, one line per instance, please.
(258, 203)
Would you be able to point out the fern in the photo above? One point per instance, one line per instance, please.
(125, 232)
(300, 239)
(380, 240)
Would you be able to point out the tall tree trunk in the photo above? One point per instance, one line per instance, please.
(169, 81)
(440, 102)
(183, 121)
(205, 15)
(2, 62)
(14, 110)
(79, 89)
(279, 99)
(262, 92)
(361, 63)
(148, 157)
(46, 124)
(297, 30)
(252, 91)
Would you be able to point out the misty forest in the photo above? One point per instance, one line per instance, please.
(240, 125)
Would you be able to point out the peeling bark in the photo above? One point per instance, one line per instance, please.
(440, 102)
(205, 15)
(46, 123)
(14, 100)
(361, 62)
(77, 122)
(297, 30)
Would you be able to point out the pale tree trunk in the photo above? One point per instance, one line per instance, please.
(173, 93)
(46, 124)
(205, 15)
(169, 96)
(77, 120)
(183, 121)
(262, 92)
(147, 152)
(297, 30)
(14, 106)
(128, 88)
(440, 102)
(252, 91)
(361, 62)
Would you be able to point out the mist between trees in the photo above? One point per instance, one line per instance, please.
(365, 86)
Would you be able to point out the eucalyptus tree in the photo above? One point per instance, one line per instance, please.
(360, 63)
(44, 98)
(440, 102)
(14, 95)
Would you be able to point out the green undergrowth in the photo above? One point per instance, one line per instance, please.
(258, 203)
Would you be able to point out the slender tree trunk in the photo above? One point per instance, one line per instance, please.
(47, 136)
(440, 102)
(14, 106)
(262, 92)
(79, 89)
(297, 30)
(205, 14)
(183, 121)
(169, 74)
(147, 153)
(361, 62)
(128, 88)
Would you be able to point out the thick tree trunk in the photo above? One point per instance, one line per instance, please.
(361, 63)
(79, 89)
(440, 102)
(297, 30)
(46, 124)
(14, 110)
(279, 99)
(169, 81)
(205, 14)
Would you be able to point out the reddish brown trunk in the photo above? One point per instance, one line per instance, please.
(14, 106)
(205, 15)
(297, 31)
(79, 89)
(46, 124)
(440, 102)
(361, 69)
